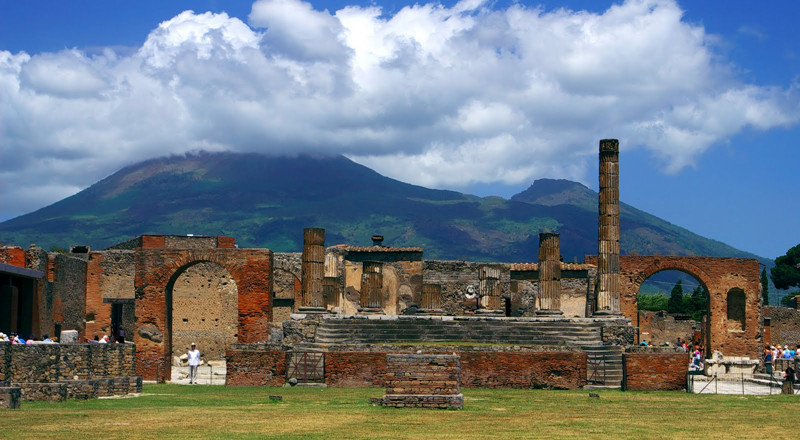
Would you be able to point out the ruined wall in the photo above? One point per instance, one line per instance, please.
(784, 325)
(655, 371)
(484, 367)
(525, 296)
(204, 311)
(66, 296)
(12, 255)
(559, 370)
(658, 328)
(355, 369)
(110, 276)
(423, 381)
(401, 286)
(255, 367)
(457, 278)
(45, 363)
(157, 269)
(722, 277)
(286, 285)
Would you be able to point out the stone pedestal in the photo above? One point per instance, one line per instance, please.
(423, 381)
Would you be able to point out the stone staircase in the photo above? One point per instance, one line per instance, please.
(511, 331)
(603, 367)
(776, 382)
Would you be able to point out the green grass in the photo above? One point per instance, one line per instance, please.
(174, 411)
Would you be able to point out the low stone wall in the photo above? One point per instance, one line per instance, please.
(363, 366)
(655, 371)
(54, 372)
(423, 381)
(47, 363)
(256, 366)
(355, 369)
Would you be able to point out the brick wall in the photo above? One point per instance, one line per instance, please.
(655, 371)
(486, 369)
(560, 370)
(423, 381)
(12, 255)
(355, 369)
(784, 326)
(255, 367)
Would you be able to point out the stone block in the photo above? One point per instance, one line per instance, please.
(9, 397)
(68, 336)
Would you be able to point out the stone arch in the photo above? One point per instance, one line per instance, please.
(202, 307)
(251, 271)
(703, 278)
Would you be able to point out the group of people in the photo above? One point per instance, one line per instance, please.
(773, 353)
(17, 339)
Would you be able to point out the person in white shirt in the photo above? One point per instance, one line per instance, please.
(194, 361)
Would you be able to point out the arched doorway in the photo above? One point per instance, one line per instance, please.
(203, 308)
(673, 304)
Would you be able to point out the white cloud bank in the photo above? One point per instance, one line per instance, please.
(443, 97)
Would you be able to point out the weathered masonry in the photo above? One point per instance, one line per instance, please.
(165, 291)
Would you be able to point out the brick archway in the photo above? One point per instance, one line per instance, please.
(719, 276)
(251, 270)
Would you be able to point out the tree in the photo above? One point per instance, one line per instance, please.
(699, 302)
(786, 272)
(675, 303)
(651, 302)
(765, 286)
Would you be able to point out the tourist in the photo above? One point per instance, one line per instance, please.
(30, 340)
(768, 359)
(697, 362)
(95, 340)
(46, 339)
(786, 353)
(788, 381)
(3, 337)
(194, 361)
(104, 339)
(15, 339)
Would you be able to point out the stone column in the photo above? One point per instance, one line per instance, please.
(313, 270)
(608, 295)
(549, 275)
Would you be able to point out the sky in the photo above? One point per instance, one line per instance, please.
(476, 96)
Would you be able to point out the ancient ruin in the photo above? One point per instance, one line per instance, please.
(330, 316)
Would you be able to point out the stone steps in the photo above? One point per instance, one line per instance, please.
(604, 367)
(205, 376)
(486, 330)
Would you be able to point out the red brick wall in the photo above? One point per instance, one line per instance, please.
(563, 370)
(226, 242)
(719, 275)
(251, 269)
(355, 369)
(101, 313)
(255, 368)
(655, 371)
(154, 241)
(13, 255)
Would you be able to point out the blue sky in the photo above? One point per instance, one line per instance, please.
(475, 96)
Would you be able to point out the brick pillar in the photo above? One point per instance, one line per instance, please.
(313, 270)
(608, 295)
(549, 275)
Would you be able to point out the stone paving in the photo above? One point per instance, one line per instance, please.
(707, 385)
(212, 373)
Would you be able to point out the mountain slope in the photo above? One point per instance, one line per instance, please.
(266, 201)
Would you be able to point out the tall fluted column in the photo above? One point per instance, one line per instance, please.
(608, 295)
(313, 270)
(549, 274)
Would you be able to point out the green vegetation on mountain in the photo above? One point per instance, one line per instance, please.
(266, 201)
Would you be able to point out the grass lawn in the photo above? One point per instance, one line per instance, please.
(175, 411)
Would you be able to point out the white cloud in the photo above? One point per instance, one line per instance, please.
(430, 95)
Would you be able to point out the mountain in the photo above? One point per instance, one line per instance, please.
(266, 201)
